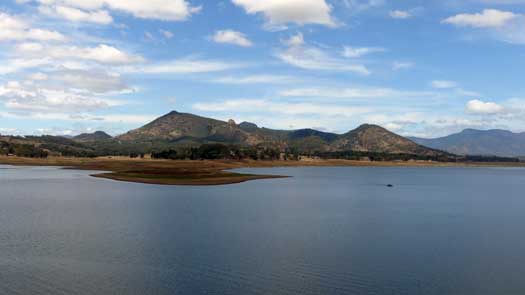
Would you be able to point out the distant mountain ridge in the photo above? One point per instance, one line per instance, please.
(189, 129)
(496, 142)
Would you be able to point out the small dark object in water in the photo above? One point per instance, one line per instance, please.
(390, 185)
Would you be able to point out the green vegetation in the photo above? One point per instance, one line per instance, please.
(219, 151)
(386, 157)
(22, 150)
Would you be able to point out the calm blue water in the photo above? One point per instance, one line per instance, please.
(324, 231)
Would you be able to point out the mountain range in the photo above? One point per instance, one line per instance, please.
(183, 130)
(501, 143)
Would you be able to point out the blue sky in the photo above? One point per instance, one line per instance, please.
(424, 68)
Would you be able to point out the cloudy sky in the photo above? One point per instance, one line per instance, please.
(425, 68)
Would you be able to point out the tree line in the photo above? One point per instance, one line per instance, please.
(221, 151)
(22, 150)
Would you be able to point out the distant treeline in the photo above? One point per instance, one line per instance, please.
(22, 150)
(42, 146)
(261, 152)
(220, 151)
(373, 156)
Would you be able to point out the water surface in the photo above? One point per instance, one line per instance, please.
(324, 231)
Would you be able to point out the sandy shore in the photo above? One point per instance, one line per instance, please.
(168, 172)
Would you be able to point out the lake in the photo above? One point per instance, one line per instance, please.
(323, 231)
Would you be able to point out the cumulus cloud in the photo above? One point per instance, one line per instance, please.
(279, 13)
(13, 28)
(478, 107)
(488, 18)
(166, 10)
(232, 37)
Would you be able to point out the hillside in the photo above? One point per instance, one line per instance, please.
(179, 129)
(501, 143)
(90, 137)
(35, 146)
(183, 131)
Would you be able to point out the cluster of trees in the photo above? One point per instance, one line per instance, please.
(372, 156)
(490, 159)
(219, 151)
(22, 150)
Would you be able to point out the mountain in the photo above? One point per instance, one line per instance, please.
(189, 128)
(177, 129)
(373, 138)
(501, 143)
(90, 137)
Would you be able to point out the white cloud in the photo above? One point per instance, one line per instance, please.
(356, 52)
(279, 13)
(312, 58)
(38, 77)
(479, 107)
(295, 40)
(400, 14)
(186, 66)
(103, 54)
(16, 29)
(367, 92)
(232, 37)
(285, 108)
(399, 65)
(77, 15)
(256, 79)
(107, 54)
(166, 10)
(444, 84)
(95, 81)
(30, 97)
(361, 5)
(19, 64)
(489, 18)
(167, 34)
(81, 117)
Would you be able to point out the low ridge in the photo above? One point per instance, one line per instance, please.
(496, 142)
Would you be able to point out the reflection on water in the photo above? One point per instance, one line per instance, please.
(324, 231)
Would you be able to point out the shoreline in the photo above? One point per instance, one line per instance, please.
(205, 172)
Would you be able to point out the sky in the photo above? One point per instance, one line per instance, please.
(422, 68)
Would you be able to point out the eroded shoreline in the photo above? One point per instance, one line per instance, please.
(197, 172)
